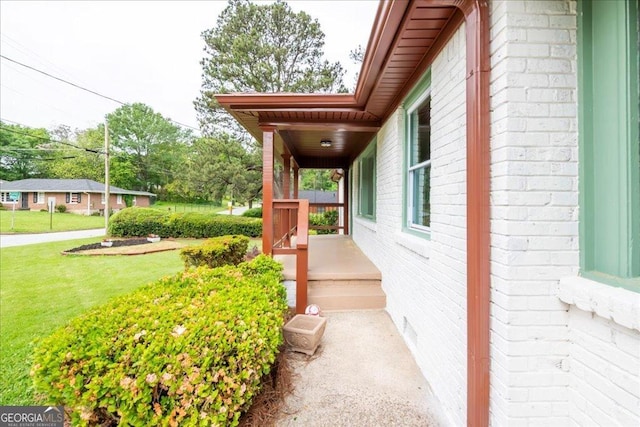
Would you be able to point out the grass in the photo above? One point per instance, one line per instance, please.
(41, 290)
(38, 222)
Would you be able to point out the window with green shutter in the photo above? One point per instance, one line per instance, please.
(367, 182)
(417, 158)
(609, 143)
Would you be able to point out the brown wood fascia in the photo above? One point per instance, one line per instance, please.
(441, 41)
(339, 125)
(389, 18)
(287, 102)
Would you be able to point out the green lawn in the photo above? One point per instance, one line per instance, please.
(40, 290)
(39, 222)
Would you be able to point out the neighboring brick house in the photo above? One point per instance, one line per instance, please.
(82, 196)
(494, 179)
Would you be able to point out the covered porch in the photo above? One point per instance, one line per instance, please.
(331, 131)
(312, 132)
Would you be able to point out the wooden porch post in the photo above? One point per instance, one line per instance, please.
(286, 178)
(267, 189)
(345, 189)
(296, 171)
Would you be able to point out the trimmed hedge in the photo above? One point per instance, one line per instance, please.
(188, 350)
(253, 213)
(136, 221)
(216, 252)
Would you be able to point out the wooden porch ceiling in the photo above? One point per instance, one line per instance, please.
(404, 39)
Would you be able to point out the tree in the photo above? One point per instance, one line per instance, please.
(263, 48)
(148, 144)
(23, 151)
(84, 162)
(317, 179)
(221, 166)
(357, 57)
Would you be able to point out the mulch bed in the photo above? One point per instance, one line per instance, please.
(116, 244)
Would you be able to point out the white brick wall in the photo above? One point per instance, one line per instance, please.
(554, 361)
(534, 224)
(604, 334)
(425, 280)
(562, 353)
(605, 365)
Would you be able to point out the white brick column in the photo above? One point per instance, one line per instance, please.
(534, 207)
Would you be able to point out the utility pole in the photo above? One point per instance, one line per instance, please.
(107, 193)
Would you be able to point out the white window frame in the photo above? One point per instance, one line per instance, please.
(40, 198)
(102, 198)
(411, 169)
(119, 199)
(4, 197)
(73, 196)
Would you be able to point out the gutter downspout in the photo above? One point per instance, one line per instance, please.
(476, 14)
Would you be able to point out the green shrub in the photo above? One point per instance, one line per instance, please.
(136, 221)
(324, 219)
(132, 222)
(253, 213)
(202, 225)
(216, 252)
(188, 350)
(331, 217)
(61, 208)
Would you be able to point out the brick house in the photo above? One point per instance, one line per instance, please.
(82, 196)
(492, 174)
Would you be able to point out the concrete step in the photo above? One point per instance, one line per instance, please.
(332, 295)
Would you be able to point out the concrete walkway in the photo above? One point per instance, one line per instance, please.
(8, 240)
(361, 375)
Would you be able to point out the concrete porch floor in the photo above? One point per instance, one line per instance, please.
(361, 375)
(340, 276)
(333, 257)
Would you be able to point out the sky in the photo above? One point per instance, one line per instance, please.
(132, 51)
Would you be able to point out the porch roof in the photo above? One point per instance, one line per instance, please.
(405, 38)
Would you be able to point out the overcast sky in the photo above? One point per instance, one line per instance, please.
(133, 51)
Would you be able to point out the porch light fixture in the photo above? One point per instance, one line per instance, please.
(325, 143)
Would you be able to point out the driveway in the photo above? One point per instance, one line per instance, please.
(239, 210)
(8, 240)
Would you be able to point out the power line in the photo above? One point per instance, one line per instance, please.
(61, 79)
(38, 149)
(8, 129)
(83, 88)
(25, 50)
(46, 159)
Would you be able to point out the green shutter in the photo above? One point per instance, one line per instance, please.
(609, 143)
